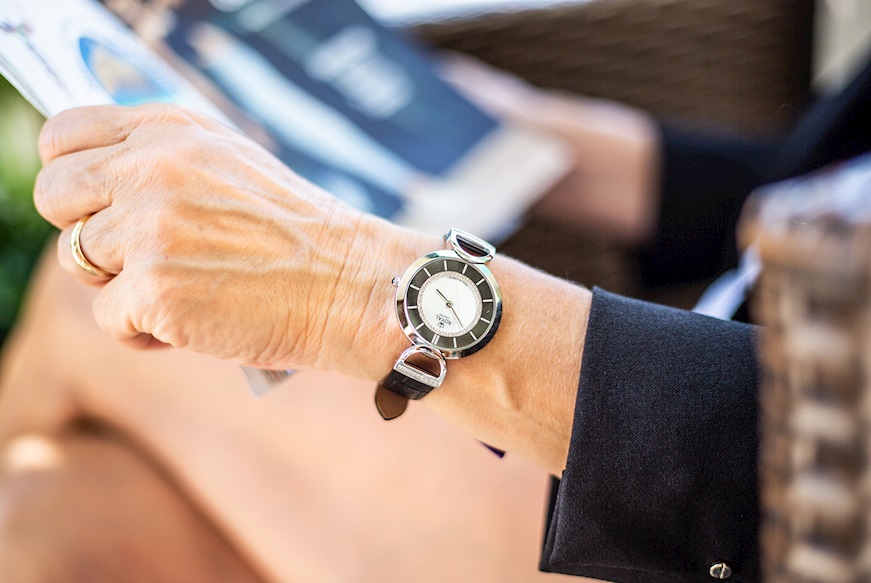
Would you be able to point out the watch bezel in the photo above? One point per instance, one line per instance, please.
(402, 313)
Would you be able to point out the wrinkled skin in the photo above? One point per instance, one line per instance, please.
(218, 247)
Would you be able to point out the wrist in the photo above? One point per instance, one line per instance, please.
(368, 339)
(519, 392)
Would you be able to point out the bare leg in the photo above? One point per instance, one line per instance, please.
(307, 483)
(82, 507)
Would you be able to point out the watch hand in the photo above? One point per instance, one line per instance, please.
(457, 316)
(450, 305)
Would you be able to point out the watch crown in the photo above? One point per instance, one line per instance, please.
(394, 282)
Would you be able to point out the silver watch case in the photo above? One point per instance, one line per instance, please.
(402, 292)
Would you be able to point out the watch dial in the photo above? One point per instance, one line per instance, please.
(450, 304)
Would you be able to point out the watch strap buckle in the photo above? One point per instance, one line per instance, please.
(417, 373)
(408, 381)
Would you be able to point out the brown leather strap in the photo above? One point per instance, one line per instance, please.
(394, 392)
(405, 386)
(400, 385)
(389, 404)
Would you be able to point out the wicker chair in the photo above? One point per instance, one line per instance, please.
(815, 300)
(740, 65)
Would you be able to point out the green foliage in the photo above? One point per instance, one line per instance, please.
(22, 231)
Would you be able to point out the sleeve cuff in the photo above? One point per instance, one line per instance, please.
(660, 481)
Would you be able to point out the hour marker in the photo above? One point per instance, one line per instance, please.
(465, 267)
(412, 307)
(485, 301)
(435, 338)
(455, 341)
(418, 326)
(485, 320)
(412, 286)
(428, 274)
(446, 264)
(473, 335)
(480, 282)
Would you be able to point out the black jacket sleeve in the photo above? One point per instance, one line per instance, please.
(661, 476)
(704, 182)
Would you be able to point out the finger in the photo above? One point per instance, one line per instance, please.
(118, 311)
(145, 342)
(84, 128)
(118, 307)
(99, 243)
(75, 186)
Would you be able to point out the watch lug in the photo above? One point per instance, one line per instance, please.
(469, 247)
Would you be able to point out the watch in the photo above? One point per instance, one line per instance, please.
(448, 305)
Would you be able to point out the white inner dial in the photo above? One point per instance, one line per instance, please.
(449, 303)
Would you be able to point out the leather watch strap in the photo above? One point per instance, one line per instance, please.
(407, 387)
(394, 392)
(390, 405)
(407, 381)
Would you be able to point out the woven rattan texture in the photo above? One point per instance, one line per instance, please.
(740, 63)
(815, 301)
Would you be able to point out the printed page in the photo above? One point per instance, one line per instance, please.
(72, 53)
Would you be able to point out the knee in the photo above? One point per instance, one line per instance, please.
(34, 478)
(83, 508)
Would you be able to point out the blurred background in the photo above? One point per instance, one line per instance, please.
(585, 54)
(22, 231)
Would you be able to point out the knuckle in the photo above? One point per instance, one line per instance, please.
(118, 306)
(64, 255)
(47, 201)
(103, 313)
(160, 302)
(48, 143)
(169, 114)
(108, 179)
(127, 174)
(162, 243)
(41, 196)
(152, 284)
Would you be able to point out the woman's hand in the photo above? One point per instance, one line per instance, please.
(216, 246)
(613, 187)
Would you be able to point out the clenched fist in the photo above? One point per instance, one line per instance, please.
(213, 245)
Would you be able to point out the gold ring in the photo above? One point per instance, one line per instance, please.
(79, 256)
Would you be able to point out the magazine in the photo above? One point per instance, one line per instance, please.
(357, 109)
(345, 102)
(70, 53)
